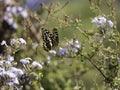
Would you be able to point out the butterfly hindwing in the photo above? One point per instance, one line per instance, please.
(55, 37)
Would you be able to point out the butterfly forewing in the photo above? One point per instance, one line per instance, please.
(46, 39)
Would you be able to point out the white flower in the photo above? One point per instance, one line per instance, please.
(75, 50)
(14, 9)
(48, 59)
(77, 44)
(12, 78)
(16, 81)
(3, 73)
(15, 25)
(16, 71)
(24, 14)
(10, 20)
(4, 43)
(22, 41)
(15, 64)
(52, 52)
(8, 63)
(1, 70)
(10, 58)
(19, 8)
(12, 81)
(73, 43)
(110, 23)
(25, 60)
(12, 41)
(36, 64)
(100, 21)
(63, 52)
(10, 74)
(2, 62)
(8, 9)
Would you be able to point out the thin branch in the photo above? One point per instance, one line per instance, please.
(67, 2)
(49, 12)
(90, 60)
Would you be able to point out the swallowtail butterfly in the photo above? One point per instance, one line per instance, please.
(50, 40)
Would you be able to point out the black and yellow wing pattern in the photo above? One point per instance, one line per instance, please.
(50, 40)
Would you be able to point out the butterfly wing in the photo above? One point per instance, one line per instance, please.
(55, 40)
(46, 39)
(50, 40)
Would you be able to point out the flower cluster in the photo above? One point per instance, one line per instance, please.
(12, 10)
(15, 43)
(105, 26)
(8, 72)
(19, 41)
(71, 46)
(102, 22)
(33, 64)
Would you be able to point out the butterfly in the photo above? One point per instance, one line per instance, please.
(50, 40)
